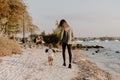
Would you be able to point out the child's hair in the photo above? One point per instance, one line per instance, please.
(50, 45)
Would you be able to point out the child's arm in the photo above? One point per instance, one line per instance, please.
(53, 50)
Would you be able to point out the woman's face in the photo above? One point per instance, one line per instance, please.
(64, 25)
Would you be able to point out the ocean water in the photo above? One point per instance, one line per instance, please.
(113, 45)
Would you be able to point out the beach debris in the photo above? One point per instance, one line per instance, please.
(117, 52)
(86, 47)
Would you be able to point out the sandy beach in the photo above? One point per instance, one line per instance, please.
(32, 65)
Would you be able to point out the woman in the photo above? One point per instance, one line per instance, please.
(66, 36)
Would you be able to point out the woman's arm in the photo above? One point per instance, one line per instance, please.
(60, 36)
(72, 35)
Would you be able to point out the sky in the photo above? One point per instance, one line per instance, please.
(88, 18)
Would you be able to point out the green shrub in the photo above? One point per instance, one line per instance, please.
(51, 38)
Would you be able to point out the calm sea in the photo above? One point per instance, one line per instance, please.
(113, 45)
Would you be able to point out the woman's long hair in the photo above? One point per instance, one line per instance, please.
(62, 22)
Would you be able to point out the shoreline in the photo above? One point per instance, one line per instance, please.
(105, 59)
(89, 70)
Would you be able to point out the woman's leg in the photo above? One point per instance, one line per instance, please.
(70, 54)
(63, 53)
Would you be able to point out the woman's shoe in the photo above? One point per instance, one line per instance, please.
(64, 64)
(70, 66)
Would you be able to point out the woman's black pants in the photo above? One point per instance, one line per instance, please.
(64, 45)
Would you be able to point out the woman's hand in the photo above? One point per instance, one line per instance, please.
(59, 42)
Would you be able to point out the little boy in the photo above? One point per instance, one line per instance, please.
(50, 52)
